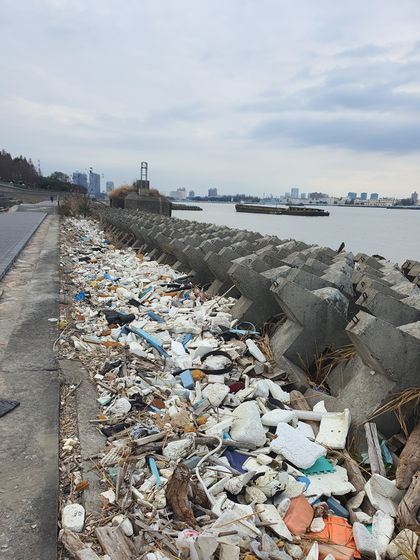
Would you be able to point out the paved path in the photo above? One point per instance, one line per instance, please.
(29, 374)
(15, 231)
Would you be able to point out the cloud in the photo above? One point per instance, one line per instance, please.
(357, 133)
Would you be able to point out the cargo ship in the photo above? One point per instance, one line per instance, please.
(290, 211)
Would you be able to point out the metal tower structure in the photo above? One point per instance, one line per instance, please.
(143, 183)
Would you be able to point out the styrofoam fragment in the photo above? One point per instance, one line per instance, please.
(333, 430)
(295, 447)
(383, 494)
(269, 514)
(330, 484)
(274, 417)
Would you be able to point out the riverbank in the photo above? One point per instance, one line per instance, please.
(180, 365)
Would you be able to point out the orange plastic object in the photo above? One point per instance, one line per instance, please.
(337, 539)
(110, 344)
(201, 420)
(189, 428)
(197, 375)
(299, 515)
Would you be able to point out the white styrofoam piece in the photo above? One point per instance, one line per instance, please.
(383, 494)
(247, 426)
(376, 542)
(255, 351)
(269, 514)
(295, 447)
(333, 430)
(330, 484)
(274, 417)
(215, 393)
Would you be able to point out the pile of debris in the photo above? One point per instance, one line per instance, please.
(209, 452)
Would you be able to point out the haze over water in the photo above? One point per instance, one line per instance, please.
(394, 234)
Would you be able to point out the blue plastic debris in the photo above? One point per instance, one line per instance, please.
(321, 466)
(186, 340)
(193, 462)
(109, 277)
(113, 472)
(187, 379)
(154, 470)
(386, 455)
(305, 480)
(236, 460)
(155, 317)
(80, 296)
(146, 292)
(335, 506)
(150, 340)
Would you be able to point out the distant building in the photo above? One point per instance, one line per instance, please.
(179, 194)
(363, 196)
(212, 191)
(191, 194)
(109, 186)
(294, 191)
(414, 198)
(318, 196)
(374, 196)
(287, 195)
(303, 196)
(79, 179)
(94, 184)
(352, 195)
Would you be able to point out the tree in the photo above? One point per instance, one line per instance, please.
(60, 177)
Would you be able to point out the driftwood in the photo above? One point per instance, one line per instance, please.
(374, 450)
(410, 504)
(299, 402)
(181, 490)
(76, 547)
(357, 479)
(115, 543)
(409, 460)
(176, 493)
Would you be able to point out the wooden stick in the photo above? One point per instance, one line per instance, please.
(374, 450)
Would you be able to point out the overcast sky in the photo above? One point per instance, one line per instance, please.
(246, 95)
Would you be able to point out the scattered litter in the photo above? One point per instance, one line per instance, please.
(209, 452)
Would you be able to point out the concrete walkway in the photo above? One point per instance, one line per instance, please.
(28, 373)
(16, 229)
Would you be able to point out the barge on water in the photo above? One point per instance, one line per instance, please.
(290, 211)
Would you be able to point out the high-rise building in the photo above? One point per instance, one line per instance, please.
(294, 191)
(287, 195)
(212, 191)
(318, 196)
(191, 194)
(374, 196)
(303, 196)
(414, 198)
(79, 179)
(352, 195)
(94, 184)
(109, 186)
(179, 194)
(363, 196)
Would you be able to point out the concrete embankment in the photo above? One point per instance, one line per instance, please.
(345, 324)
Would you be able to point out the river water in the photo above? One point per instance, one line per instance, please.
(394, 234)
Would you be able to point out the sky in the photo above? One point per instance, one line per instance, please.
(249, 96)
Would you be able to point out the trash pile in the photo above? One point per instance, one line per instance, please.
(208, 451)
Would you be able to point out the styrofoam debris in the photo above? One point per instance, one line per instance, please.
(333, 430)
(383, 494)
(73, 517)
(295, 447)
(247, 426)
